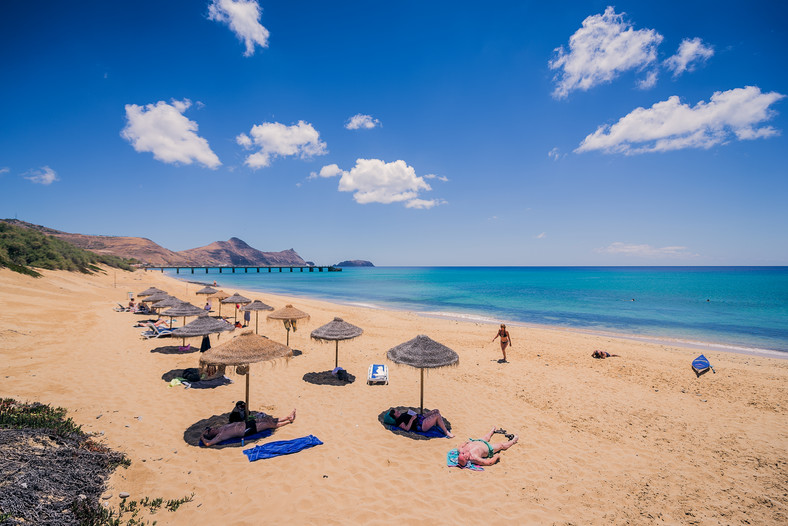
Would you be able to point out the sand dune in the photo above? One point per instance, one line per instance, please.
(630, 440)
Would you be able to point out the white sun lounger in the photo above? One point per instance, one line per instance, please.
(378, 374)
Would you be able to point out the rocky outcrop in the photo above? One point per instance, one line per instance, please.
(355, 263)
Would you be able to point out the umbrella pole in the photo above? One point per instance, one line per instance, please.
(256, 315)
(248, 373)
(336, 356)
(421, 402)
(288, 337)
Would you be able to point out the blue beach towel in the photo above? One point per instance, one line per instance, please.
(434, 432)
(451, 461)
(281, 447)
(265, 433)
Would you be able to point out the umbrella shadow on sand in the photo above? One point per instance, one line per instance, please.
(202, 384)
(174, 349)
(326, 378)
(193, 433)
(408, 434)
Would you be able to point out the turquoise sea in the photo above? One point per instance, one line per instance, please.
(734, 308)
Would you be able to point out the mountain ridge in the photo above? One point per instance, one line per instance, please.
(233, 252)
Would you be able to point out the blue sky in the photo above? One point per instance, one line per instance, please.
(405, 133)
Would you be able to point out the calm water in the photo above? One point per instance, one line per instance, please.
(747, 307)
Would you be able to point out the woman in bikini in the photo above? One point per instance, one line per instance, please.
(505, 339)
(415, 422)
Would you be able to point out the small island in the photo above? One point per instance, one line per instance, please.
(355, 263)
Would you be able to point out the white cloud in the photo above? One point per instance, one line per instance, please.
(4, 170)
(541, 236)
(554, 154)
(671, 125)
(361, 121)
(604, 47)
(441, 178)
(633, 250)
(162, 130)
(375, 181)
(649, 81)
(45, 176)
(690, 51)
(243, 19)
(275, 139)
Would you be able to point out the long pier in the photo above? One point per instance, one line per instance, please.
(246, 269)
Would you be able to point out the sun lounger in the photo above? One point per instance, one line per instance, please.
(156, 332)
(378, 374)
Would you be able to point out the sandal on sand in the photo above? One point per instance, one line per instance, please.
(509, 436)
(500, 431)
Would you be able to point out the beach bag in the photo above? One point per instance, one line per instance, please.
(191, 375)
(701, 366)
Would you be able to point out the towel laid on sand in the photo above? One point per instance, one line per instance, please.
(434, 432)
(451, 461)
(281, 447)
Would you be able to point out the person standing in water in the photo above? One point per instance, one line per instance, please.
(506, 340)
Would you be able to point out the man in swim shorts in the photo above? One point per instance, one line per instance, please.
(260, 422)
(480, 452)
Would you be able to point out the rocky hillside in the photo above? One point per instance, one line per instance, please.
(231, 252)
(238, 253)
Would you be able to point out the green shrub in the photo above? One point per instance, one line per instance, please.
(22, 249)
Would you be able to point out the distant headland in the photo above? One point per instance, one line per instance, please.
(233, 252)
(355, 263)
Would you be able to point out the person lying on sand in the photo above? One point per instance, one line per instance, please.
(602, 354)
(261, 421)
(414, 422)
(480, 452)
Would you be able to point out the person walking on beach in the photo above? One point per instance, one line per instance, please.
(506, 340)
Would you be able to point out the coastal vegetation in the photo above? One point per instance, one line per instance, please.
(23, 250)
(54, 472)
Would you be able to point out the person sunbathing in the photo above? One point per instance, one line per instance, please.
(602, 355)
(413, 422)
(261, 422)
(480, 452)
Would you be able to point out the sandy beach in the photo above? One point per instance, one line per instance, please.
(636, 439)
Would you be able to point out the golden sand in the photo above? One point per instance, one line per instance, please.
(630, 440)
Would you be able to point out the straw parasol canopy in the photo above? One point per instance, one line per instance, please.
(168, 302)
(207, 291)
(236, 298)
(243, 350)
(289, 315)
(337, 330)
(150, 291)
(423, 352)
(202, 326)
(158, 296)
(184, 309)
(219, 295)
(256, 306)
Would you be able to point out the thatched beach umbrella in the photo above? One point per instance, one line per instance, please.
(243, 350)
(206, 291)
(289, 315)
(184, 309)
(423, 352)
(167, 303)
(202, 326)
(219, 296)
(256, 306)
(237, 299)
(150, 291)
(158, 296)
(337, 330)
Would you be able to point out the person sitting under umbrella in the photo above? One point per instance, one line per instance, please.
(479, 451)
(260, 422)
(415, 422)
